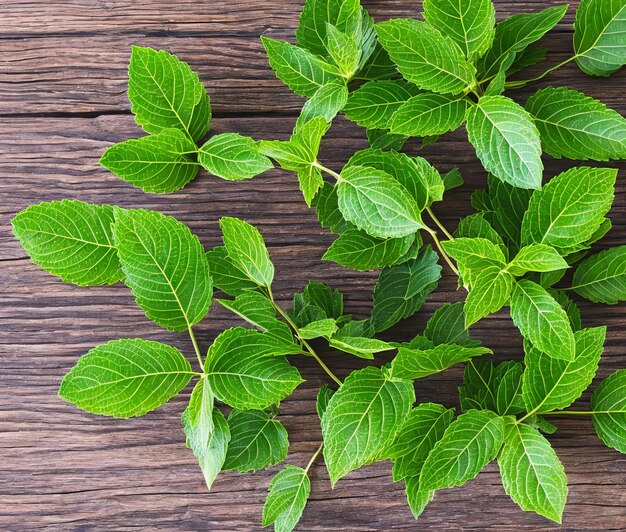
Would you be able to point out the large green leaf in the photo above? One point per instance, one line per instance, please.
(158, 163)
(425, 57)
(362, 419)
(602, 277)
(506, 141)
(233, 156)
(600, 31)
(609, 403)
(429, 114)
(126, 378)
(165, 266)
(70, 239)
(576, 126)
(532, 473)
(288, 494)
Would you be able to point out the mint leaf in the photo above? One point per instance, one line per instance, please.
(536, 258)
(373, 104)
(246, 248)
(425, 57)
(258, 440)
(362, 419)
(477, 226)
(323, 397)
(491, 289)
(468, 444)
(576, 126)
(532, 473)
(126, 378)
(417, 363)
(600, 30)
(70, 239)
(325, 328)
(542, 320)
(447, 326)
(164, 92)
(429, 114)
(359, 347)
(506, 141)
(226, 276)
(602, 277)
(552, 384)
(288, 494)
(158, 163)
(570, 208)
(232, 156)
(469, 24)
(609, 403)
(326, 103)
(241, 374)
(165, 267)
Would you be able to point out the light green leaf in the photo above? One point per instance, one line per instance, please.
(417, 498)
(491, 289)
(344, 50)
(164, 91)
(477, 226)
(418, 363)
(326, 103)
(70, 239)
(609, 401)
(321, 328)
(506, 141)
(468, 444)
(323, 397)
(536, 258)
(360, 347)
(201, 116)
(126, 378)
(508, 377)
(165, 266)
(554, 384)
(158, 163)
(232, 156)
(602, 277)
(473, 255)
(288, 494)
(362, 419)
(246, 248)
(447, 326)
(576, 126)
(570, 208)
(226, 275)
(425, 57)
(429, 114)
(480, 386)
(600, 31)
(542, 320)
(241, 374)
(532, 473)
(469, 24)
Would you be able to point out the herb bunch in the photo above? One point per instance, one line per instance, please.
(398, 79)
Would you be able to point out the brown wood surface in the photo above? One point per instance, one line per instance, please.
(62, 102)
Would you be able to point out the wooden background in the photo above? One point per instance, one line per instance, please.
(63, 75)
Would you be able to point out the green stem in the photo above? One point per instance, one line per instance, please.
(313, 458)
(579, 412)
(316, 164)
(439, 224)
(195, 346)
(523, 83)
(445, 256)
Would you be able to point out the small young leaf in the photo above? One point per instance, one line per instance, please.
(232, 156)
(453, 179)
(323, 397)
(158, 163)
(258, 440)
(326, 103)
(602, 277)
(429, 114)
(320, 328)
(226, 275)
(536, 258)
(473, 255)
(477, 226)
(327, 300)
(609, 400)
(288, 494)
(360, 347)
(70, 239)
(126, 378)
(491, 289)
(343, 49)
(508, 377)
(480, 386)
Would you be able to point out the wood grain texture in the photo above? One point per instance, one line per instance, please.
(62, 102)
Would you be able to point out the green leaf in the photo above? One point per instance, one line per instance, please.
(536, 258)
(570, 208)
(232, 156)
(506, 141)
(531, 56)
(417, 498)
(469, 24)
(542, 320)
(373, 104)
(258, 440)
(326, 300)
(468, 444)
(246, 248)
(165, 266)
(303, 72)
(491, 289)
(422, 429)
(602, 277)
(201, 116)
(381, 139)
(362, 419)
(226, 276)
(532, 473)
(402, 289)
(493, 387)
(576, 126)
(158, 163)
(321, 328)
(242, 375)
(70, 239)
(453, 179)
(343, 49)
(322, 400)
(288, 494)
(360, 347)
(554, 384)
(515, 33)
(540, 423)
(447, 326)
(473, 255)
(477, 226)
(376, 203)
(600, 30)
(327, 209)
(425, 57)
(429, 114)
(164, 91)
(126, 378)
(609, 401)
(417, 363)
(508, 377)
(326, 103)
(572, 311)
